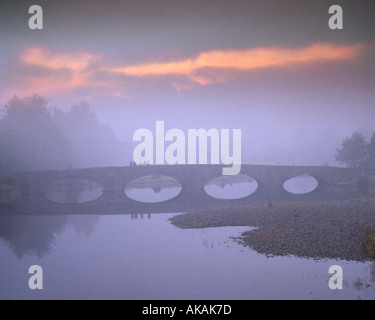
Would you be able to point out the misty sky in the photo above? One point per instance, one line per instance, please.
(270, 68)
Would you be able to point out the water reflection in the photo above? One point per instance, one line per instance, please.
(301, 184)
(36, 235)
(231, 187)
(153, 189)
(158, 261)
(73, 191)
(135, 216)
(142, 260)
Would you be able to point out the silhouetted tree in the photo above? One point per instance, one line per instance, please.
(353, 151)
(35, 136)
(29, 140)
(94, 143)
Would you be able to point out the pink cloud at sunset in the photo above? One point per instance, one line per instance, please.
(242, 60)
(43, 58)
(53, 72)
(82, 75)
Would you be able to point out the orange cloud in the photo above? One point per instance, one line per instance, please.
(268, 57)
(240, 60)
(79, 66)
(83, 74)
(73, 61)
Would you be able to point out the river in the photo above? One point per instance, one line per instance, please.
(146, 257)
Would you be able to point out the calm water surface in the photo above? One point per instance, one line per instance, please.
(153, 189)
(231, 187)
(145, 257)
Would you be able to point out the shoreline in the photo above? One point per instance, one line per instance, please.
(317, 230)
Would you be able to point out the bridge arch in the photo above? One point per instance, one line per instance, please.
(333, 183)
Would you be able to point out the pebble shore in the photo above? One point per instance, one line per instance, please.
(317, 230)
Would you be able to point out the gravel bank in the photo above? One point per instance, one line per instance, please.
(318, 230)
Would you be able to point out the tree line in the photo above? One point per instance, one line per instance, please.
(37, 136)
(357, 152)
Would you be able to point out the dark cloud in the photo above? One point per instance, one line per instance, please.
(141, 27)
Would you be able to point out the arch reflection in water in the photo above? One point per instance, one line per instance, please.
(73, 191)
(153, 189)
(301, 184)
(231, 187)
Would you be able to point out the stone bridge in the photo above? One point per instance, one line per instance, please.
(28, 189)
